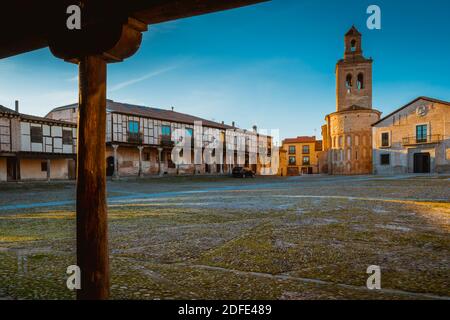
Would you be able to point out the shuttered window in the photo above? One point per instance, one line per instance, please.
(67, 137)
(36, 135)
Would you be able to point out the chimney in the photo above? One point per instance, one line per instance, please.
(17, 106)
(255, 129)
(173, 108)
(233, 124)
(223, 122)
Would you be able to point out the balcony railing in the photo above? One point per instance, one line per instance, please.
(135, 137)
(166, 141)
(414, 140)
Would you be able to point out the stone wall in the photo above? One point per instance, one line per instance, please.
(351, 142)
(30, 169)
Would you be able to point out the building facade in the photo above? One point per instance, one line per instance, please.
(300, 156)
(347, 134)
(413, 139)
(35, 148)
(140, 142)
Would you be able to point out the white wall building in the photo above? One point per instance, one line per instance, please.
(413, 139)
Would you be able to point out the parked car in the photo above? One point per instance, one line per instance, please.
(240, 172)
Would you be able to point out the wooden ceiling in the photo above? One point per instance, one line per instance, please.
(26, 25)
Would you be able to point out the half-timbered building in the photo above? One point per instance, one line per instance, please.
(140, 141)
(35, 148)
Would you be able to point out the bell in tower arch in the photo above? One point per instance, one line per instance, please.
(353, 46)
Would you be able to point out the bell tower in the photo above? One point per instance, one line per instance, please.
(353, 75)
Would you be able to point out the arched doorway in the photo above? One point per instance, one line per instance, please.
(109, 166)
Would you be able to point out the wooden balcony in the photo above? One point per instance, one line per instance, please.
(414, 140)
(137, 138)
(166, 141)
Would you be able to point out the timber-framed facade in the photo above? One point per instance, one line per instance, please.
(139, 142)
(35, 148)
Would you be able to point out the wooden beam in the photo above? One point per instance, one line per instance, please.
(23, 30)
(152, 12)
(92, 227)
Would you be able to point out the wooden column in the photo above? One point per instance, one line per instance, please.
(141, 171)
(92, 228)
(116, 162)
(160, 162)
(48, 169)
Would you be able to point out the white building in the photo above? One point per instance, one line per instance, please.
(413, 139)
(35, 148)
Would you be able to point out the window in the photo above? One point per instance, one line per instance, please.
(133, 132)
(421, 133)
(306, 161)
(385, 159)
(360, 82)
(292, 150)
(67, 137)
(353, 45)
(306, 149)
(146, 156)
(36, 135)
(385, 139)
(44, 166)
(349, 81)
(133, 127)
(166, 131)
(292, 161)
(189, 136)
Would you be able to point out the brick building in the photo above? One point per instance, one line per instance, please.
(300, 156)
(347, 134)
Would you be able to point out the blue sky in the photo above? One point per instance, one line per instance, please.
(271, 64)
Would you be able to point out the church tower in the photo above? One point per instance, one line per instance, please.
(348, 131)
(353, 75)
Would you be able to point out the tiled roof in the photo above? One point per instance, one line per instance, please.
(353, 32)
(34, 118)
(299, 140)
(154, 113)
(46, 120)
(6, 110)
(355, 107)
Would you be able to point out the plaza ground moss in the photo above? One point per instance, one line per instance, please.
(257, 244)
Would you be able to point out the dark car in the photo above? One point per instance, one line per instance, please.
(240, 172)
